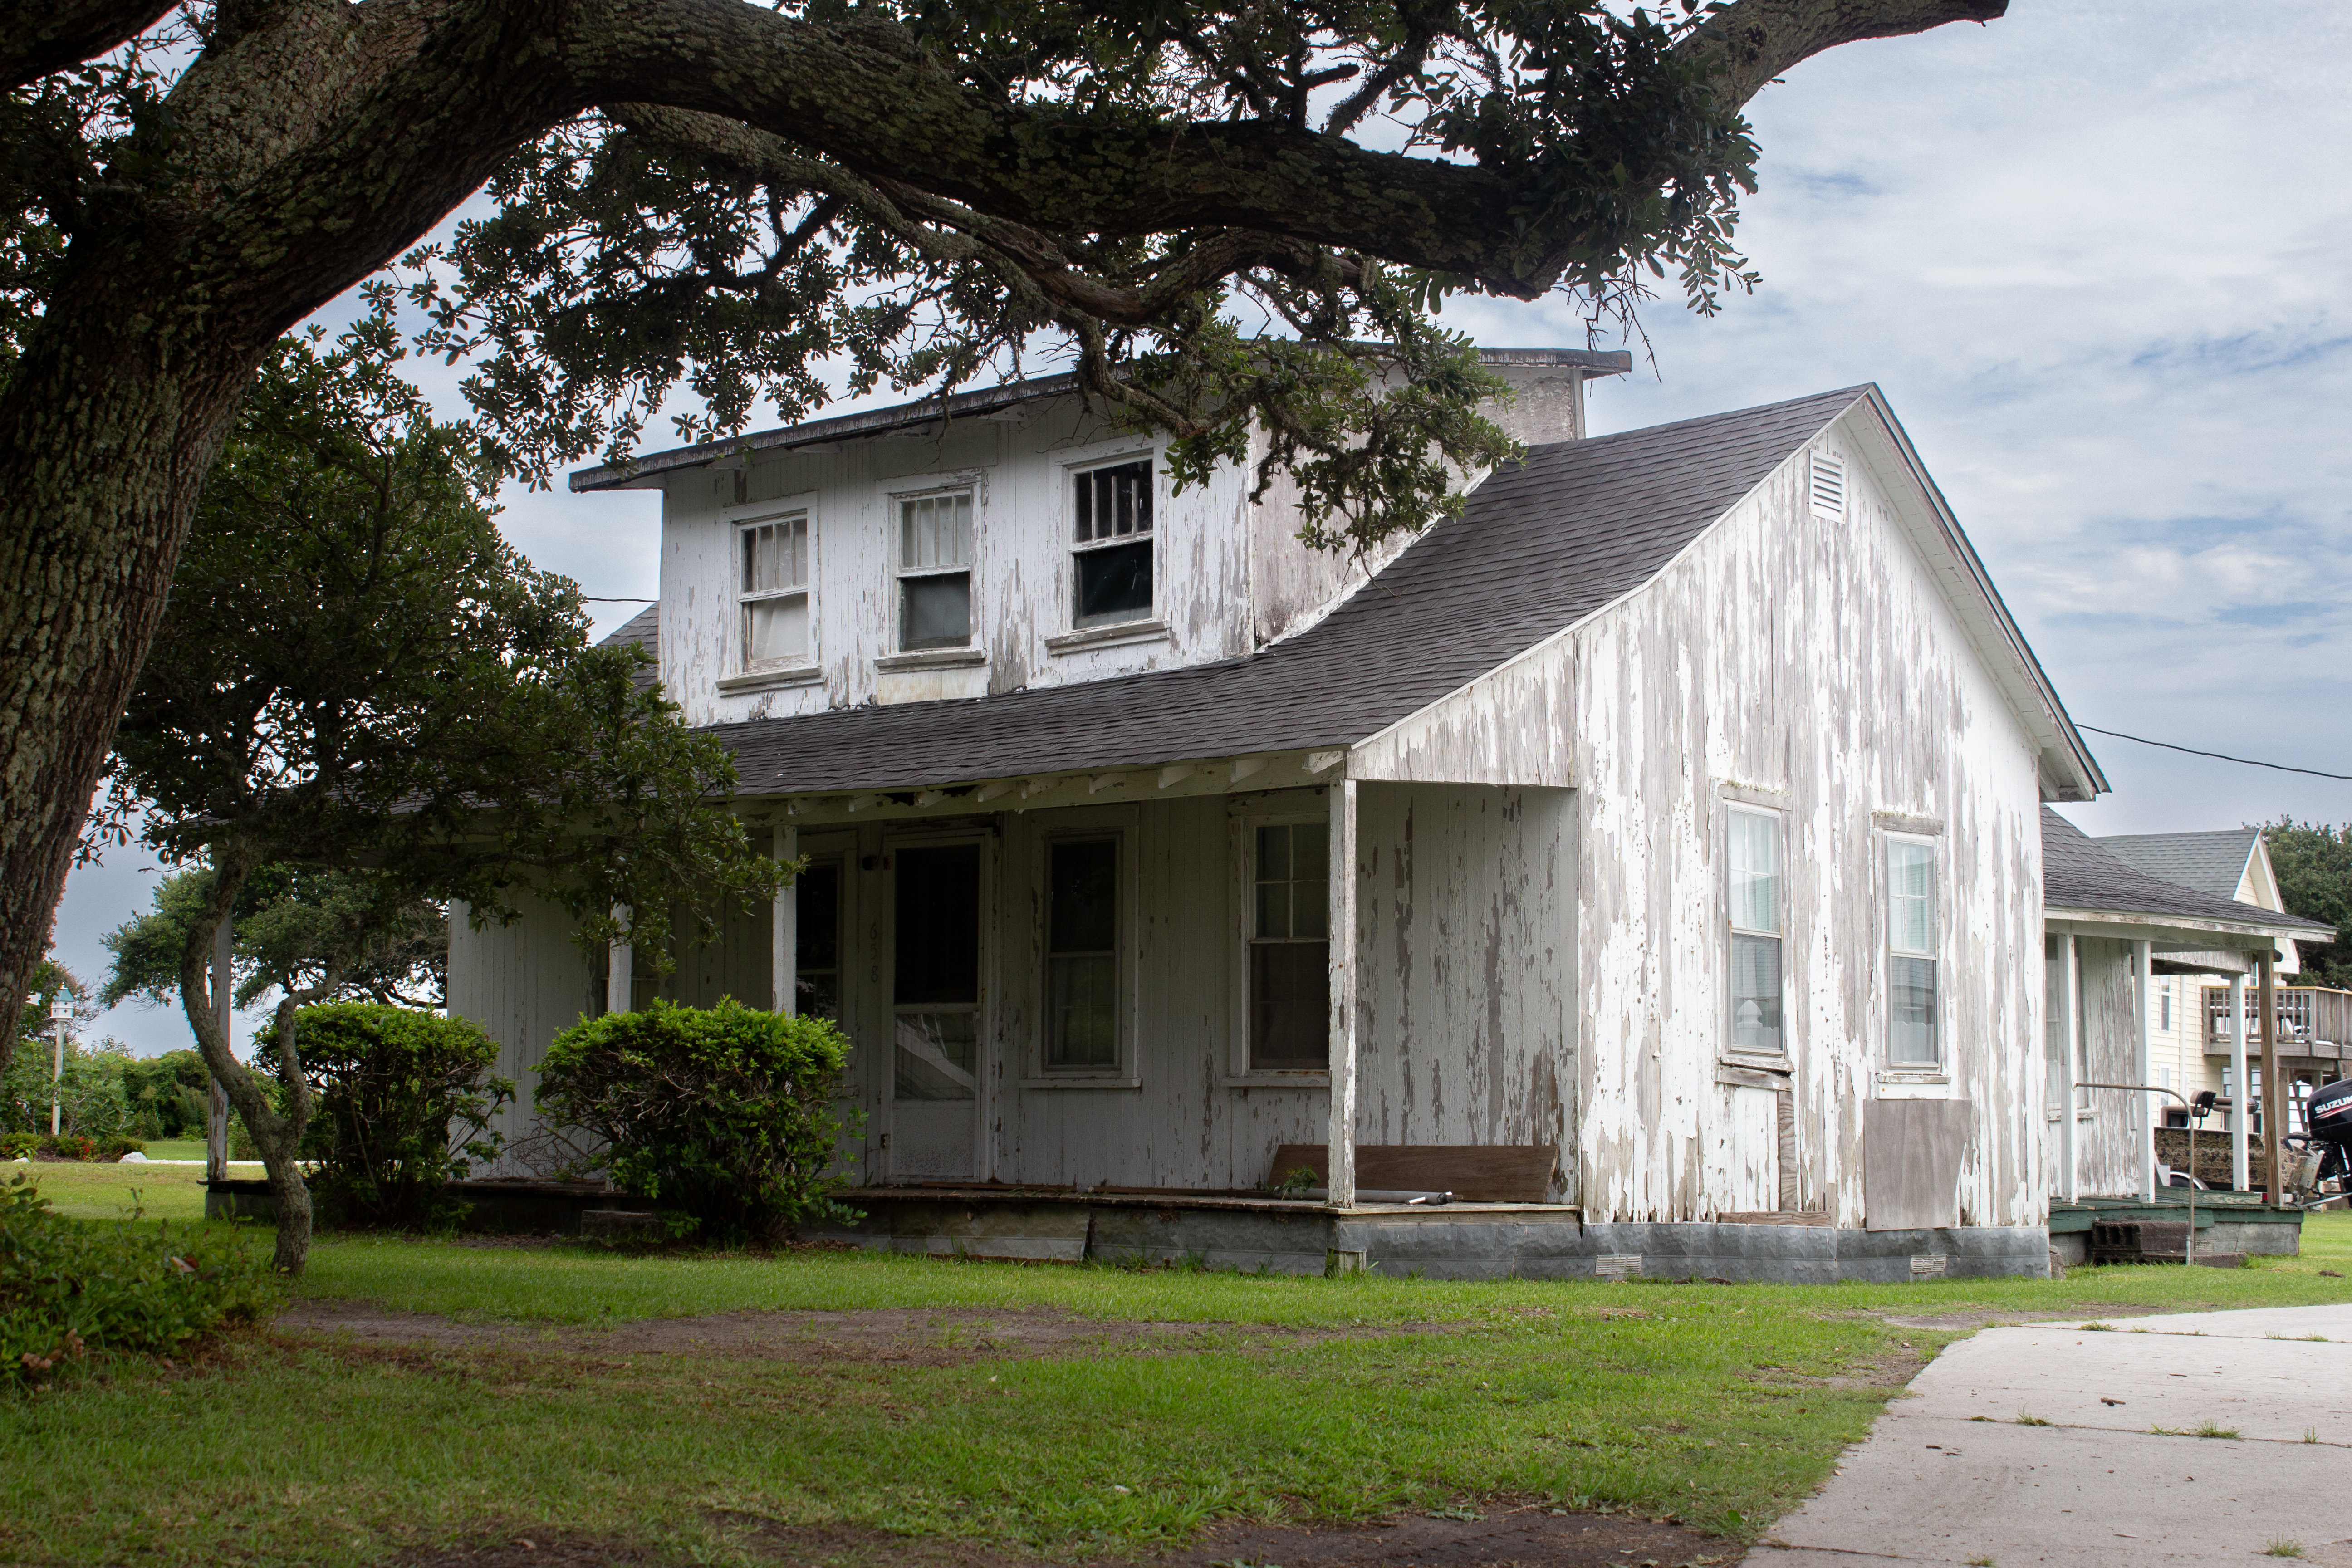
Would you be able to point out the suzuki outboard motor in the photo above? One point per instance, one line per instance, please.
(2330, 1113)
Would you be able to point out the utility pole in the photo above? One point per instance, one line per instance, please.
(61, 1016)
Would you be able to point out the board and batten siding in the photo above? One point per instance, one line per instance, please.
(1811, 665)
(523, 982)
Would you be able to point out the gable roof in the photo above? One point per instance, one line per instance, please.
(2078, 874)
(1538, 546)
(647, 471)
(2213, 863)
(641, 630)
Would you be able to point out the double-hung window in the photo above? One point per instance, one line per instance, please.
(774, 591)
(1913, 1039)
(1290, 948)
(935, 571)
(1082, 955)
(1110, 565)
(1755, 872)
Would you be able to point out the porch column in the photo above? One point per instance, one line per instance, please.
(225, 1014)
(1340, 1153)
(620, 967)
(784, 958)
(2143, 1072)
(2273, 1101)
(2242, 1097)
(2069, 1183)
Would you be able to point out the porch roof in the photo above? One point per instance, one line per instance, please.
(1538, 546)
(2082, 883)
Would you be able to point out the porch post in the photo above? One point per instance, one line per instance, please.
(2142, 1072)
(1340, 1153)
(2241, 1094)
(2273, 1101)
(620, 967)
(784, 959)
(225, 1014)
(2069, 1183)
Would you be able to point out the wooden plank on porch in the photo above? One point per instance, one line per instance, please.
(1482, 1172)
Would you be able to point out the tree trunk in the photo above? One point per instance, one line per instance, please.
(105, 435)
(278, 1137)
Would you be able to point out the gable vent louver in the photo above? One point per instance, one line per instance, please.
(1829, 486)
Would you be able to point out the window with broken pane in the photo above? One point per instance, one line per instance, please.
(1082, 953)
(1111, 528)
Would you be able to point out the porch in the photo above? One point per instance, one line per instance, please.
(1251, 1233)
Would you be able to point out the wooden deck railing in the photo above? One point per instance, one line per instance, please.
(2307, 1015)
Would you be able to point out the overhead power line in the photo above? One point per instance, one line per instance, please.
(603, 599)
(2224, 756)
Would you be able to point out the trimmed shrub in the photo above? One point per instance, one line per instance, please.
(404, 1104)
(70, 1288)
(724, 1113)
(18, 1145)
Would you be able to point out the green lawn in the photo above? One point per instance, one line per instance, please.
(109, 1191)
(1723, 1406)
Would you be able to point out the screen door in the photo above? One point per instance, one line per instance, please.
(934, 1007)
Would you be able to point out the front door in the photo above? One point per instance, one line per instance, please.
(935, 997)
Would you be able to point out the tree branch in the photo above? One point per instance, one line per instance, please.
(1761, 38)
(37, 36)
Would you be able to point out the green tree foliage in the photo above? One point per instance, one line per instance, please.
(725, 1114)
(390, 1084)
(2313, 865)
(362, 703)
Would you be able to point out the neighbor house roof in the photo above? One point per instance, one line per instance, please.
(647, 469)
(2080, 876)
(1539, 546)
(2213, 863)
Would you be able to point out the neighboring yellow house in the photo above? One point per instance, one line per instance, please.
(2190, 1009)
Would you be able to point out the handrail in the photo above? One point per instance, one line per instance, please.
(2189, 1248)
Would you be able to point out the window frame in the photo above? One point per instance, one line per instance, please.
(934, 486)
(1939, 1069)
(1148, 621)
(1246, 816)
(1736, 806)
(740, 518)
(1084, 825)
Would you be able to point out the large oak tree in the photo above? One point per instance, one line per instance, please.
(1209, 205)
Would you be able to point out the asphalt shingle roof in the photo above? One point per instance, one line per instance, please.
(1538, 547)
(642, 630)
(2213, 863)
(2078, 873)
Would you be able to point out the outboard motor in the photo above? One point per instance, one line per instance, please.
(2329, 1114)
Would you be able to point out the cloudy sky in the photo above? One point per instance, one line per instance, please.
(2095, 255)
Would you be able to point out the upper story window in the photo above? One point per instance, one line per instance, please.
(1755, 871)
(1111, 559)
(935, 571)
(1913, 1039)
(775, 592)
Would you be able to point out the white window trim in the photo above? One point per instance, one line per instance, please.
(895, 655)
(741, 675)
(1074, 638)
(1246, 818)
(1752, 803)
(1121, 823)
(1889, 1073)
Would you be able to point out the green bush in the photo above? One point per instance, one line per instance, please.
(18, 1145)
(70, 1288)
(724, 1113)
(390, 1083)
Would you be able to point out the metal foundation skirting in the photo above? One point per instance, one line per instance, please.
(1460, 1241)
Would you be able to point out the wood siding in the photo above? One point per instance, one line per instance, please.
(524, 984)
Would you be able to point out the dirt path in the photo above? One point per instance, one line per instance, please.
(925, 1336)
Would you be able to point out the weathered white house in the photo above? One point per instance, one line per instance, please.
(1657, 846)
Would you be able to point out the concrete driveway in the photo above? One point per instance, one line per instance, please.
(2040, 1445)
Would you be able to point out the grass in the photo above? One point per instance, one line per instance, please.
(96, 1191)
(2284, 1549)
(1721, 1406)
